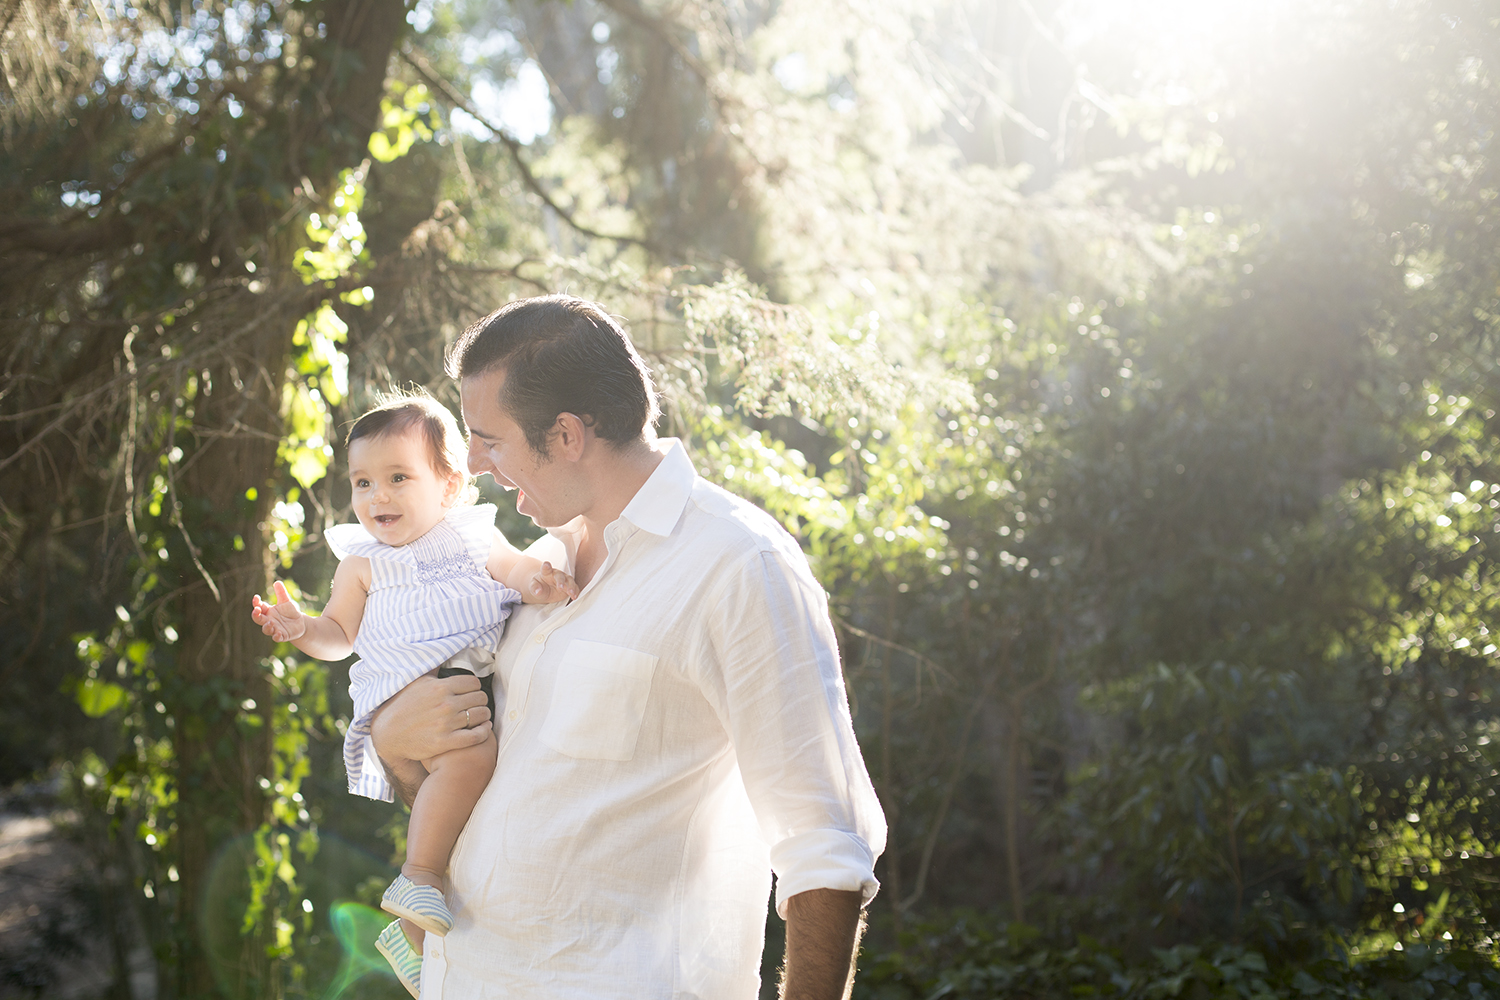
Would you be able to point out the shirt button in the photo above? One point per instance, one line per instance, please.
(514, 714)
(541, 637)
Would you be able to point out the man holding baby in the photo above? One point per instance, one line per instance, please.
(667, 739)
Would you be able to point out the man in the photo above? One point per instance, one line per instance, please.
(668, 738)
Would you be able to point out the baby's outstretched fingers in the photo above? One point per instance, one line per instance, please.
(260, 611)
(281, 621)
(559, 583)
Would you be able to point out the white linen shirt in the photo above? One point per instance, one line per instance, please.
(667, 740)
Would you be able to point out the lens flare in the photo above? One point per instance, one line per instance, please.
(356, 926)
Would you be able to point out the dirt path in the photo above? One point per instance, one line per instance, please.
(52, 942)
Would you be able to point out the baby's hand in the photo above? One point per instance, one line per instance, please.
(551, 584)
(282, 621)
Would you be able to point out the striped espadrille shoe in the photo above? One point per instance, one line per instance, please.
(421, 904)
(405, 961)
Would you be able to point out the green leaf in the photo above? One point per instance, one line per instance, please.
(1306, 985)
(98, 698)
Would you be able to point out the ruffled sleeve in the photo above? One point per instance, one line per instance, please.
(476, 528)
(353, 540)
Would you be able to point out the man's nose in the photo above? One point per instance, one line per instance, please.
(478, 461)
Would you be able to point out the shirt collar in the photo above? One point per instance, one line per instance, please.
(658, 504)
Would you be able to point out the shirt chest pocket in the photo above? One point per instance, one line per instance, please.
(599, 701)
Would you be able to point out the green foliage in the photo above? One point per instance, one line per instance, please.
(336, 238)
(1215, 791)
(781, 359)
(1136, 405)
(177, 371)
(403, 122)
(969, 956)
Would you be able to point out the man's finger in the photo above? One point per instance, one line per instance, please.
(470, 737)
(460, 684)
(471, 702)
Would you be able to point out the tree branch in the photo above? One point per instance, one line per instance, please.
(930, 846)
(869, 637)
(298, 304)
(634, 12)
(513, 273)
(37, 236)
(450, 93)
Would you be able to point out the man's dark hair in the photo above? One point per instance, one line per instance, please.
(561, 354)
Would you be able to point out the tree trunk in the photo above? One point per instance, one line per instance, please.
(223, 734)
(1016, 769)
(223, 738)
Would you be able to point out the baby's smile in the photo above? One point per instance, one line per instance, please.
(386, 520)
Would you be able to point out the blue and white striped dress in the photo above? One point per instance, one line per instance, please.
(430, 601)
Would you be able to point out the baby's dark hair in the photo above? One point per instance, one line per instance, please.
(403, 411)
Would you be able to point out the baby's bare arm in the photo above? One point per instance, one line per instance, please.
(536, 581)
(329, 636)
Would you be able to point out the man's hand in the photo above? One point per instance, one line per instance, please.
(282, 621)
(823, 929)
(429, 716)
(551, 584)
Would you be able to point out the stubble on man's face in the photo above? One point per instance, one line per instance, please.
(498, 445)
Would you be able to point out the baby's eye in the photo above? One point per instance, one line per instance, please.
(400, 477)
(360, 484)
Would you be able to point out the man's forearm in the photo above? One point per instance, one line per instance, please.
(429, 716)
(823, 928)
(406, 776)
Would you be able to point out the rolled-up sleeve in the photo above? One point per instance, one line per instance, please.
(774, 679)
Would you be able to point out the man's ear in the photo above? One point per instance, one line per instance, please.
(570, 434)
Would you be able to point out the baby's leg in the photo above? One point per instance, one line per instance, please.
(454, 782)
(416, 935)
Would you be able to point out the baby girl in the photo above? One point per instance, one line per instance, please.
(425, 581)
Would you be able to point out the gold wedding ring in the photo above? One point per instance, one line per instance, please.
(466, 718)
